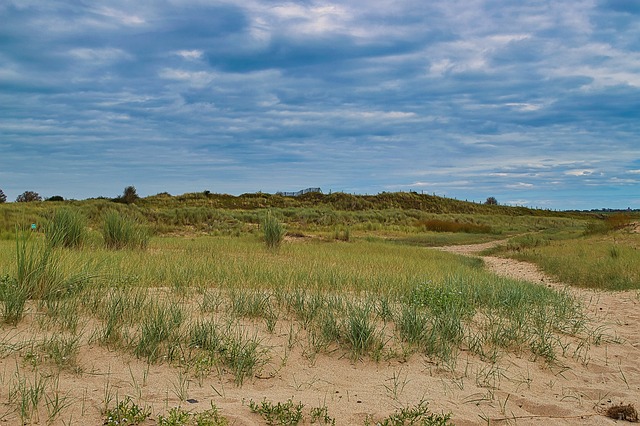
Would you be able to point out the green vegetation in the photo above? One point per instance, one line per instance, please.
(284, 414)
(416, 415)
(196, 289)
(67, 228)
(179, 417)
(120, 232)
(126, 412)
(609, 261)
(273, 231)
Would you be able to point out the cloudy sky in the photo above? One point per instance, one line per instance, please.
(533, 102)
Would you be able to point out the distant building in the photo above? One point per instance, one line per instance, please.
(298, 193)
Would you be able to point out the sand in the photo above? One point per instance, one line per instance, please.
(517, 390)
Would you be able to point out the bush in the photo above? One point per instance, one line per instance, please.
(121, 232)
(66, 229)
(130, 195)
(28, 196)
(273, 231)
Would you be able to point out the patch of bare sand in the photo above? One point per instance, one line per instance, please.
(516, 390)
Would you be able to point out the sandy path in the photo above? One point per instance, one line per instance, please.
(506, 267)
(616, 313)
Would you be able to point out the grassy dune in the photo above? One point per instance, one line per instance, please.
(200, 290)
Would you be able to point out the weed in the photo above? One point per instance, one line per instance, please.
(157, 327)
(126, 413)
(56, 403)
(396, 384)
(179, 417)
(273, 231)
(416, 415)
(204, 334)
(27, 395)
(121, 232)
(14, 297)
(360, 332)
(286, 413)
(67, 228)
(242, 355)
(62, 350)
(412, 324)
(321, 415)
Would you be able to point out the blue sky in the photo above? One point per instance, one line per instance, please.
(535, 103)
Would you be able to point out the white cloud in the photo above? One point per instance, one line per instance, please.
(583, 172)
(121, 16)
(190, 54)
(194, 78)
(99, 55)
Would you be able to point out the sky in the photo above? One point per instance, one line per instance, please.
(535, 103)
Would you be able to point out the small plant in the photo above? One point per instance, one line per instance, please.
(14, 298)
(126, 413)
(242, 354)
(273, 231)
(179, 417)
(28, 395)
(62, 350)
(121, 232)
(321, 415)
(157, 327)
(416, 415)
(360, 332)
(342, 234)
(614, 252)
(283, 414)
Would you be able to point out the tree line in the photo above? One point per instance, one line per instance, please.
(129, 196)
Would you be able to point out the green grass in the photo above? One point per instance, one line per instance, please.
(273, 231)
(281, 413)
(339, 293)
(67, 228)
(179, 417)
(120, 231)
(603, 261)
(126, 412)
(418, 414)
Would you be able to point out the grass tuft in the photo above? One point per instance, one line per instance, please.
(273, 231)
(120, 232)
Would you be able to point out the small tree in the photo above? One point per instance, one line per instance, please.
(130, 195)
(3, 197)
(491, 201)
(28, 196)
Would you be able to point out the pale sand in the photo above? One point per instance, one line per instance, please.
(518, 390)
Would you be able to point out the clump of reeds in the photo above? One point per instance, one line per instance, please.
(67, 228)
(40, 274)
(273, 231)
(121, 232)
